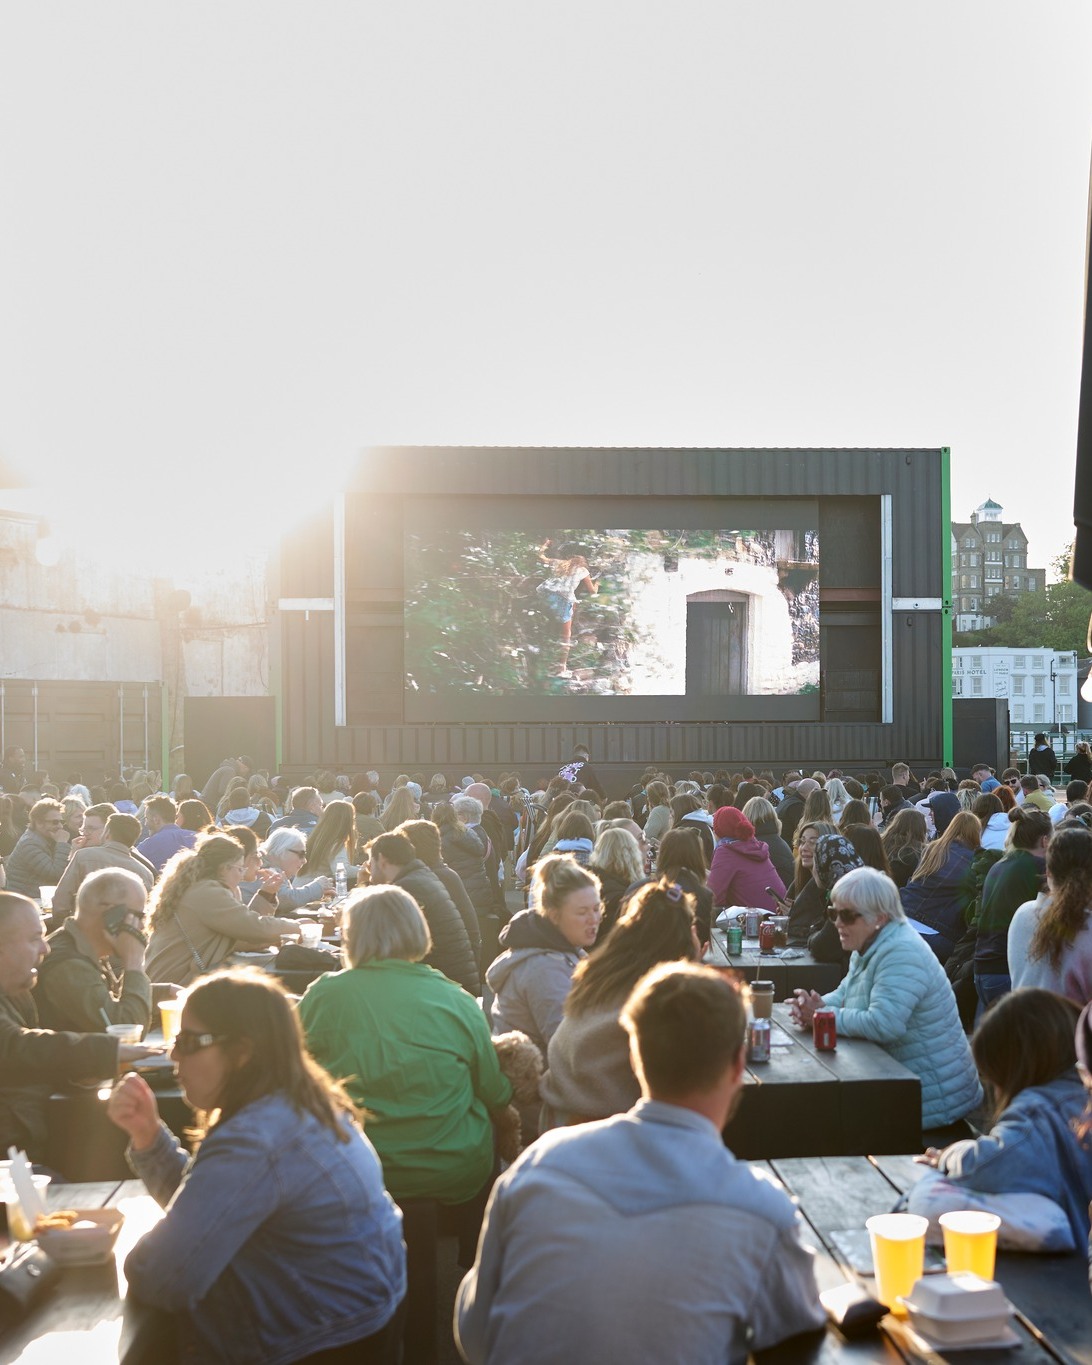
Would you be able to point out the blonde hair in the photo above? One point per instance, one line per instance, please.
(188, 867)
(385, 922)
(617, 851)
(556, 877)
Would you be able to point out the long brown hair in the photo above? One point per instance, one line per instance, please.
(964, 828)
(654, 927)
(1026, 1038)
(906, 830)
(1069, 867)
(402, 806)
(869, 847)
(682, 848)
(188, 867)
(251, 1011)
(336, 829)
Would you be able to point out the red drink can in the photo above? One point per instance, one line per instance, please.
(767, 936)
(824, 1030)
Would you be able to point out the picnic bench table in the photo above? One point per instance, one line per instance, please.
(1049, 1293)
(789, 969)
(81, 1316)
(85, 1313)
(82, 1142)
(850, 1102)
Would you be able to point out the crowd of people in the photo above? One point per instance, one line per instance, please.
(527, 959)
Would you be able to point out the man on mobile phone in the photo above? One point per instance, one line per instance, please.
(94, 974)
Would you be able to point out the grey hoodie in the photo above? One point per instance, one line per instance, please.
(530, 980)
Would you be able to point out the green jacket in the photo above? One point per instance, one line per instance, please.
(414, 1051)
(76, 989)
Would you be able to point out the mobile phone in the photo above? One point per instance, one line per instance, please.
(116, 921)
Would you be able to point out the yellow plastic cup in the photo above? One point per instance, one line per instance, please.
(898, 1255)
(170, 1011)
(970, 1242)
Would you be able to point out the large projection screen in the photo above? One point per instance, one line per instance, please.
(623, 608)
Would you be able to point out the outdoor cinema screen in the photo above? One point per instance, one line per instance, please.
(571, 614)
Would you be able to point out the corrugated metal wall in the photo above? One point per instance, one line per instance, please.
(392, 475)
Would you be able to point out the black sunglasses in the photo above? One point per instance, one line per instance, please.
(843, 916)
(187, 1042)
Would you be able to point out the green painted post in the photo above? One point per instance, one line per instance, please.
(946, 606)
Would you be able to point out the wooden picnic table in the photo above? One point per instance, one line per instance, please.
(1050, 1293)
(82, 1142)
(85, 1313)
(789, 969)
(81, 1316)
(853, 1101)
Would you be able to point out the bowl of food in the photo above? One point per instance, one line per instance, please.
(79, 1236)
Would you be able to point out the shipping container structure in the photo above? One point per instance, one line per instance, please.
(884, 573)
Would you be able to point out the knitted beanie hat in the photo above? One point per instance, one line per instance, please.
(729, 823)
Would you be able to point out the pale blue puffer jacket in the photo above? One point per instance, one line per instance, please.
(896, 994)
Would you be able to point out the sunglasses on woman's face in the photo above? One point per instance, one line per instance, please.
(839, 916)
(187, 1042)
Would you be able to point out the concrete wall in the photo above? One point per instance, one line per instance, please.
(81, 620)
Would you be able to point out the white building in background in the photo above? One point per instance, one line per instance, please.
(1040, 685)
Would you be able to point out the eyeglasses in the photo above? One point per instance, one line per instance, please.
(187, 1042)
(1012, 781)
(837, 916)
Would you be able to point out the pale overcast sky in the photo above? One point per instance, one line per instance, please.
(241, 241)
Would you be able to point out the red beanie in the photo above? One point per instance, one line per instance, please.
(729, 823)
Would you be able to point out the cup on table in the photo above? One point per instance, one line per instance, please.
(762, 993)
(170, 1012)
(310, 934)
(125, 1033)
(19, 1225)
(970, 1242)
(45, 897)
(898, 1255)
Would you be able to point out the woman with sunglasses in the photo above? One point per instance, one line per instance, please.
(896, 994)
(279, 1242)
(285, 851)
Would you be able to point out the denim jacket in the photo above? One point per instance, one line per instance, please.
(278, 1241)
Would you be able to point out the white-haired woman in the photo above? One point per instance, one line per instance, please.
(414, 1049)
(285, 850)
(896, 994)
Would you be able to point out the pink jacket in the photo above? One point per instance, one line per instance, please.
(740, 873)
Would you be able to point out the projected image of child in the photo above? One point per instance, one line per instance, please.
(568, 570)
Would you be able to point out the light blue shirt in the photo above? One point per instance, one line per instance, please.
(637, 1238)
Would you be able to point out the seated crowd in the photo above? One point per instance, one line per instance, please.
(521, 967)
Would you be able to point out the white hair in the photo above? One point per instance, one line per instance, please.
(468, 808)
(870, 893)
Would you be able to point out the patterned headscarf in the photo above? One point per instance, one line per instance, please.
(834, 857)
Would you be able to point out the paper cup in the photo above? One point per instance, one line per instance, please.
(970, 1242)
(19, 1225)
(170, 1011)
(310, 934)
(898, 1255)
(45, 897)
